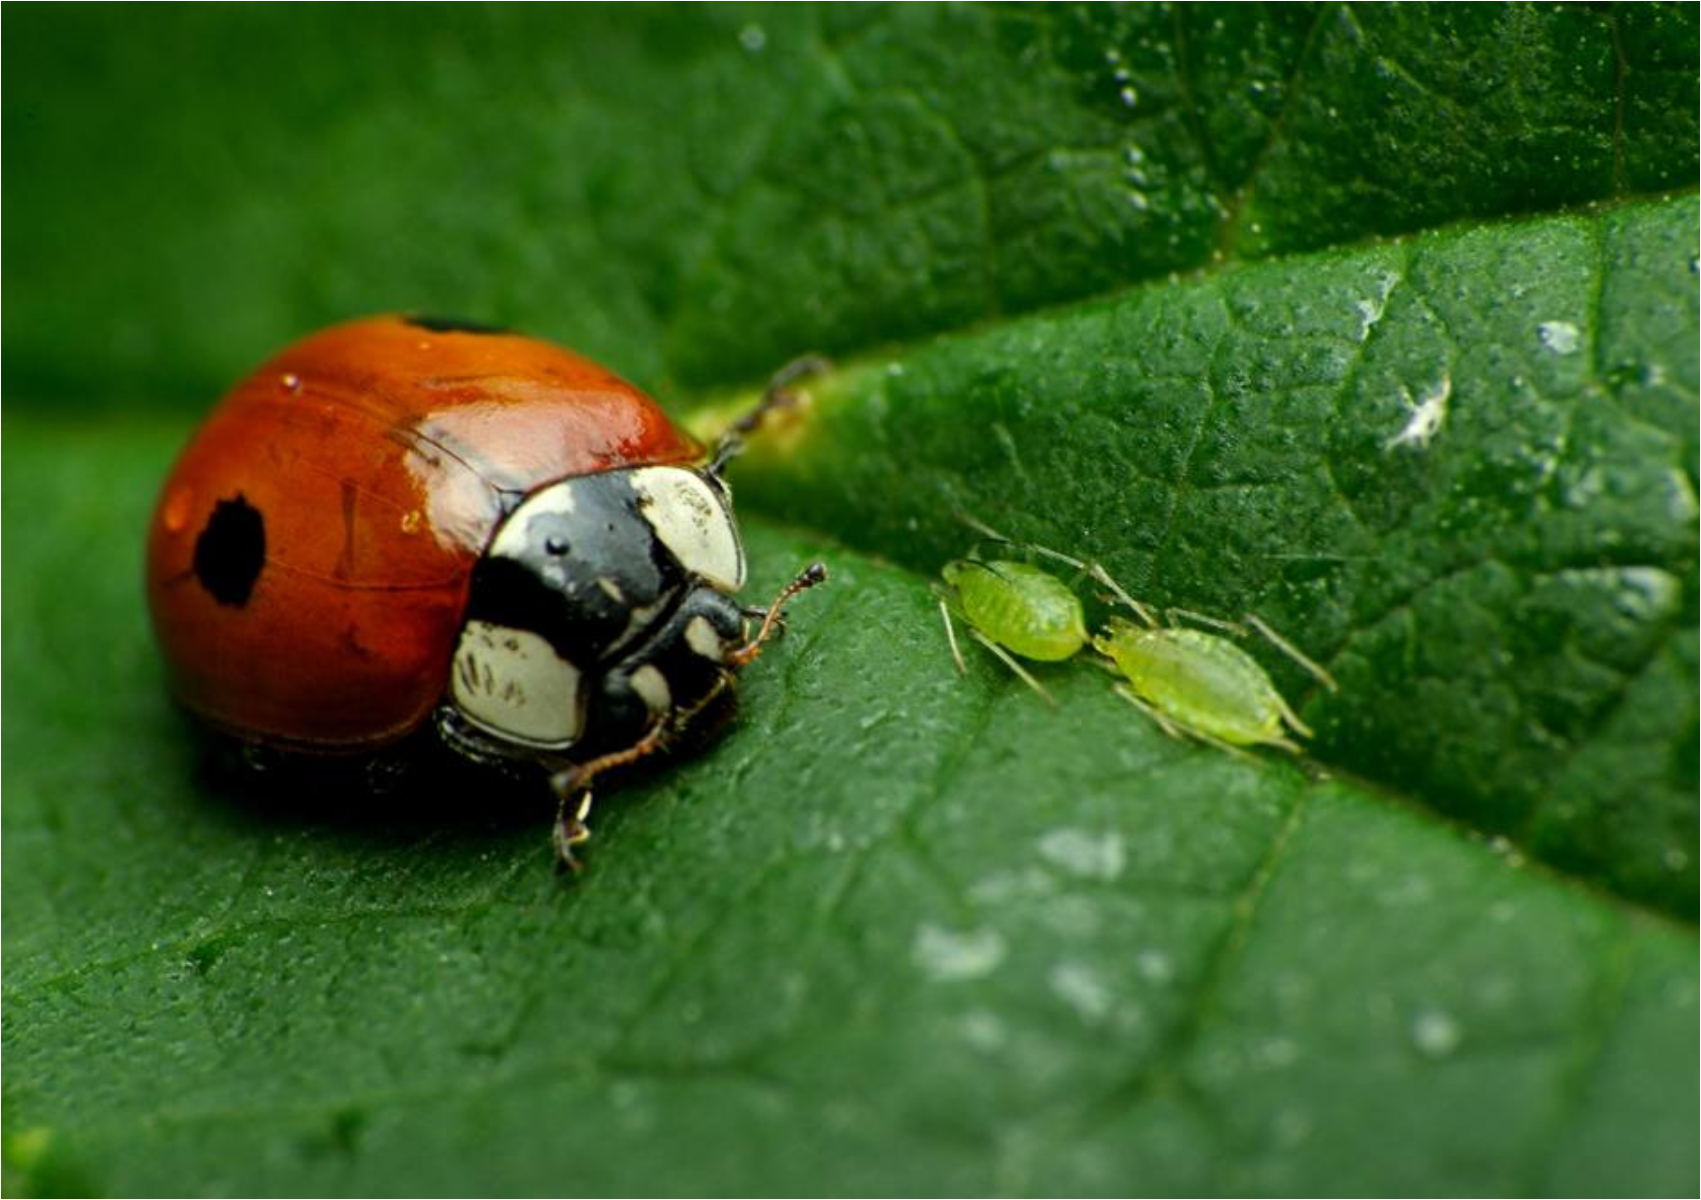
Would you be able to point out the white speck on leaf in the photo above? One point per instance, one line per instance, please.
(1080, 987)
(951, 955)
(983, 1030)
(1031, 883)
(753, 38)
(1435, 1033)
(1370, 309)
(1639, 593)
(1154, 966)
(1646, 593)
(1427, 416)
(1093, 856)
(1562, 337)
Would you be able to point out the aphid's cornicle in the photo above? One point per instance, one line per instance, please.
(1191, 682)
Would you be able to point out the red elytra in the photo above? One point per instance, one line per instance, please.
(310, 557)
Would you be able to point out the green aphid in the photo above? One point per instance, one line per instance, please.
(1201, 685)
(1013, 609)
(1191, 682)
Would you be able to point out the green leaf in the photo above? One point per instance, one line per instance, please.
(1458, 470)
(897, 931)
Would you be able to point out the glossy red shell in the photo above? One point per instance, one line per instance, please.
(380, 456)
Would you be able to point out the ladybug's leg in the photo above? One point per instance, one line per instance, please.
(815, 573)
(777, 395)
(571, 830)
(573, 786)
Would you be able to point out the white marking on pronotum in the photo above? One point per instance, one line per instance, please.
(511, 682)
(555, 500)
(692, 521)
(1427, 415)
(651, 685)
(703, 640)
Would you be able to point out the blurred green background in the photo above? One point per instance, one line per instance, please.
(1163, 284)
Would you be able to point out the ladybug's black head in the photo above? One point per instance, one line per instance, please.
(603, 604)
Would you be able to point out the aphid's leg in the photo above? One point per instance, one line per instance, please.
(1291, 718)
(1005, 657)
(1281, 643)
(777, 395)
(951, 637)
(1182, 732)
(1168, 726)
(815, 573)
(1235, 751)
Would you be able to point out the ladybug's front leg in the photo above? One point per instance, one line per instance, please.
(571, 830)
(573, 789)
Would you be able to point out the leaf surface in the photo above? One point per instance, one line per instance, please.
(1378, 321)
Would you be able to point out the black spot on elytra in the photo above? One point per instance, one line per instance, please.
(451, 324)
(231, 550)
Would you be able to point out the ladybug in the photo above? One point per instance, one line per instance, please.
(404, 528)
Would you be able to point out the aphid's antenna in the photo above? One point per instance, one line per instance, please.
(1087, 567)
(777, 395)
(1103, 578)
(1176, 615)
(815, 573)
(1281, 643)
(981, 527)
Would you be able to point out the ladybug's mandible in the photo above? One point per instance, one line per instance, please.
(404, 526)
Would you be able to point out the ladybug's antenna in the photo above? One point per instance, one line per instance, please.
(812, 575)
(778, 395)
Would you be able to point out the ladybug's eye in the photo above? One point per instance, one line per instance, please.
(555, 545)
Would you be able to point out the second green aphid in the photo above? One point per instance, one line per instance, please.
(1193, 683)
